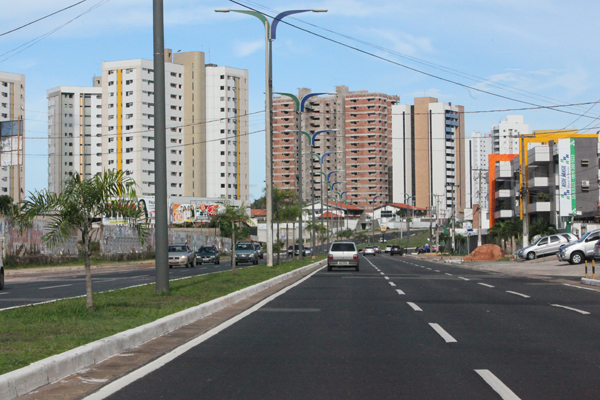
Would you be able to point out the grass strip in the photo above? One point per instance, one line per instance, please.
(31, 334)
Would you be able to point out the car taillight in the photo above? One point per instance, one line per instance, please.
(355, 257)
(330, 257)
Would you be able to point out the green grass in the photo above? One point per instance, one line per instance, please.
(33, 333)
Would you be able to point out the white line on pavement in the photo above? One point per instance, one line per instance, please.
(485, 284)
(3, 293)
(429, 269)
(448, 274)
(414, 306)
(437, 270)
(386, 278)
(392, 283)
(579, 287)
(382, 273)
(464, 279)
(400, 292)
(53, 287)
(445, 335)
(518, 294)
(497, 385)
(570, 308)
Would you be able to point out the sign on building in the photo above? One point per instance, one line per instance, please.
(566, 177)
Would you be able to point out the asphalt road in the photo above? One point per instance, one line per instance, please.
(36, 287)
(400, 328)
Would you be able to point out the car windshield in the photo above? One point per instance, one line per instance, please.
(244, 246)
(342, 247)
(585, 236)
(536, 242)
(207, 250)
(177, 249)
(369, 248)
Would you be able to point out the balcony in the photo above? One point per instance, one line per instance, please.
(538, 182)
(501, 214)
(539, 207)
(503, 170)
(539, 155)
(502, 194)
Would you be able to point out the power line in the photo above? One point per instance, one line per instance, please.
(39, 19)
(410, 68)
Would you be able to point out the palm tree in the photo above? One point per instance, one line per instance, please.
(81, 203)
(541, 227)
(227, 220)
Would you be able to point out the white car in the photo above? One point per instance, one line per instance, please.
(369, 251)
(388, 248)
(342, 254)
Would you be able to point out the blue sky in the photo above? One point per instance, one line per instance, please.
(542, 52)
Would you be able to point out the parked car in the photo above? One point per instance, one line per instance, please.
(597, 250)
(259, 250)
(181, 254)
(570, 237)
(342, 254)
(296, 250)
(396, 250)
(307, 251)
(577, 252)
(208, 254)
(377, 249)
(388, 248)
(544, 246)
(369, 251)
(420, 249)
(382, 240)
(245, 253)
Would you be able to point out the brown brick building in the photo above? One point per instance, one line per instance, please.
(361, 147)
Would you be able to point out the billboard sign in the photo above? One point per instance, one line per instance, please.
(566, 175)
(206, 210)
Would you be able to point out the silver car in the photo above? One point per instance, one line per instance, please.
(369, 251)
(181, 254)
(342, 254)
(577, 252)
(544, 246)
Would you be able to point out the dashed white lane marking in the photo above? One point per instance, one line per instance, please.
(448, 274)
(400, 292)
(392, 283)
(428, 268)
(570, 308)
(497, 385)
(485, 284)
(382, 273)
(3, 293)
(437, 270)
(579, 287)
(386, 278)
(464, 279)
(53, 287)
(414, 306)
(518, 294)
(445, 335)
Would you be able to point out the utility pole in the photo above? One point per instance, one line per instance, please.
(524, 194)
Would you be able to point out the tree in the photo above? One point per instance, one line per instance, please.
(541, 227)
(230, 220)
(259, 203)
(6, 205)
(81, 203)
(345, 233)
(401, 213)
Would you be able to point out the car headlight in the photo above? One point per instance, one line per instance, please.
(183, 257)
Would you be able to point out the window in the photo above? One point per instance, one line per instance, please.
(129, 81)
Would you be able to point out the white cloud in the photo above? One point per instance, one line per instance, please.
(243, 49)
(404, 42)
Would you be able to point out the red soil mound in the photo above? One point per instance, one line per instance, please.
(487, 252)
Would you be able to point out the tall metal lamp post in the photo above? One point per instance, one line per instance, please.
(270, 35)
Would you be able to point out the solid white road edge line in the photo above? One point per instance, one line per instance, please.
(497, 385)
(400, 292)
(570, 308)
(54, 287)
(414, 306)
(518, 294)
(485, 284)
(579, 287)
(126, 380)
(445, 335)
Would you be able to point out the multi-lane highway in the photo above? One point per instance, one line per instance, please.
(30, 287)
(401, 328)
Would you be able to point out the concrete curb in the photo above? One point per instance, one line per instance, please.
(591, 282)
(52, 369)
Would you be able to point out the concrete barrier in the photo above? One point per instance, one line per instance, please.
(52, 369)
(591, 282)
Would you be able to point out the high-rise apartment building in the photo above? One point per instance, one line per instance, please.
(429, 154)
(505, 135)
(355, 140)
(12, 126)
(75, 133)
(113, 125)
(477, 147)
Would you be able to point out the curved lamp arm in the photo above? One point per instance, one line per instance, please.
(308, 96)
(317, 133)
(293, 97)
(326, 154)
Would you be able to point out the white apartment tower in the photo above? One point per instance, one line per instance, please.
(505, 135)
(74, 133)
(12, 130)
(478, 147)
(227, 141)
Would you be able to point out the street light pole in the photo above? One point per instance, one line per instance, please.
(270, 35)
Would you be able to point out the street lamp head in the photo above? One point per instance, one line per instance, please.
(319, 9)
(223, 10)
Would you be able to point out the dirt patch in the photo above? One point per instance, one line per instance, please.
(487, 252)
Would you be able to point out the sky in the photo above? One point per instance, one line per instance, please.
(491, 56)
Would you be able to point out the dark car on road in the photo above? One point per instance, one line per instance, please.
(396, 250)
(208, 254)
(245, 253)
(1, 275)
